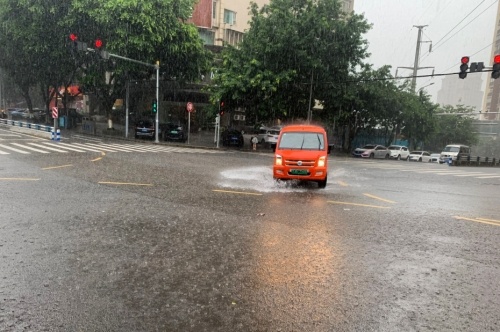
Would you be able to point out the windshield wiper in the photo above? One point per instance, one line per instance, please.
(303, 140)
(319, 140)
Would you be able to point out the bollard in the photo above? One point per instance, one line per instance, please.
(58, 135)
(450, 160)
(52, 134)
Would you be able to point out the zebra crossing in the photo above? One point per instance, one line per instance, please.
(46, 147)
(439, 170)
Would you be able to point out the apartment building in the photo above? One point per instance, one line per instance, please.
(491, 101)
(224, 22)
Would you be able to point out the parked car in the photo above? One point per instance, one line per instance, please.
(454, 151)
(145, 129)
(372, 151)
(232, 137)
(422, 156)
(268, 135)
(173, 132)
(435, 157)
(15, 113)
(398, 152)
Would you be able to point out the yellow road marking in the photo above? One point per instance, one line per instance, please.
(126, 183)
(53, 167)
(102, 155)
(356, 204)
(236, 192)
(481, 220)
(19, 179)
(343, 184)
(380, 199)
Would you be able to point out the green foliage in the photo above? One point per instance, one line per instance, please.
(289, 44)
(37, 50)
(454, 125)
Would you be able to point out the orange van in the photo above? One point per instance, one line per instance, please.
(301, 153)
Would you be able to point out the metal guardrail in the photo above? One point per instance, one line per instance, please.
(477, 161)
(27, 125)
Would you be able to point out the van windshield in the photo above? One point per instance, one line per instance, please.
(302, 141)
(451, 149)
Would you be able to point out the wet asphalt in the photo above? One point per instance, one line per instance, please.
(209, 242)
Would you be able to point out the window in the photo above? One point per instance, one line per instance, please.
(214, 10)
(229, 17)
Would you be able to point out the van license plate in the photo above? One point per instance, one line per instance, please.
(299, 171)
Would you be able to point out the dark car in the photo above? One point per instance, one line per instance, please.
(145, 129)
(173, 132)
(232, 138)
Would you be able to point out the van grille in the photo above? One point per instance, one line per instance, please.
(294, 162)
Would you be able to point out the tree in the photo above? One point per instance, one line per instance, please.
(147, 31)
(289, 57)
(454, 125)
(38, 51)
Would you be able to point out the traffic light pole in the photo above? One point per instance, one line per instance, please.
(156, 66)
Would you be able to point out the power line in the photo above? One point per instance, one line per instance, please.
(395, 78)
(428, 53)
(458, 63)
(467, 24)
(460, 22)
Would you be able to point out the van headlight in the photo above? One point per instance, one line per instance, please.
(278, 160)
(321, 161)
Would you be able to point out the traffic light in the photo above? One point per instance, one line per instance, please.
(77, 45)
(222, 108)
(463, 67)
(98, 43)
(154, 106)
(73, 37)
(496, 67)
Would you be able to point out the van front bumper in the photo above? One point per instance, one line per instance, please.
(306, 174)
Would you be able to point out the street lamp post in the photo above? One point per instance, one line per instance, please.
(424, 87)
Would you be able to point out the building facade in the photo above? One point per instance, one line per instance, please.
(461, 92)
(491, 101)
(224, 22)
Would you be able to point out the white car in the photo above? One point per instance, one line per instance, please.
(422, 156)
(435, 157)
(398, 152)
(268, 135)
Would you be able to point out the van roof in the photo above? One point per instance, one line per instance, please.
(303, 127)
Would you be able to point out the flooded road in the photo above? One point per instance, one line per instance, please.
(209, 242)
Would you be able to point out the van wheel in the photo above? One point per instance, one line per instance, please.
(322, 184)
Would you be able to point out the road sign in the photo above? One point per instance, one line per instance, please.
(190, 107)
(55, 113)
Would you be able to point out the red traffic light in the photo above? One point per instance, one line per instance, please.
(73, 37)
(465, 60)
(496, 59)
(98, 43)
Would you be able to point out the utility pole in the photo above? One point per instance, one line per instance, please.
(415, 67)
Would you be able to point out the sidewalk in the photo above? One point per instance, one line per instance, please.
(204, 138)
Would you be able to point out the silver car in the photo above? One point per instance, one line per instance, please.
(372, 151)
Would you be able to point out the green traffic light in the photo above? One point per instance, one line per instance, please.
(154, 106)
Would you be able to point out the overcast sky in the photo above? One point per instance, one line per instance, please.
(393, 38)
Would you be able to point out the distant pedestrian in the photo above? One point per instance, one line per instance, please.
(254, 143)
